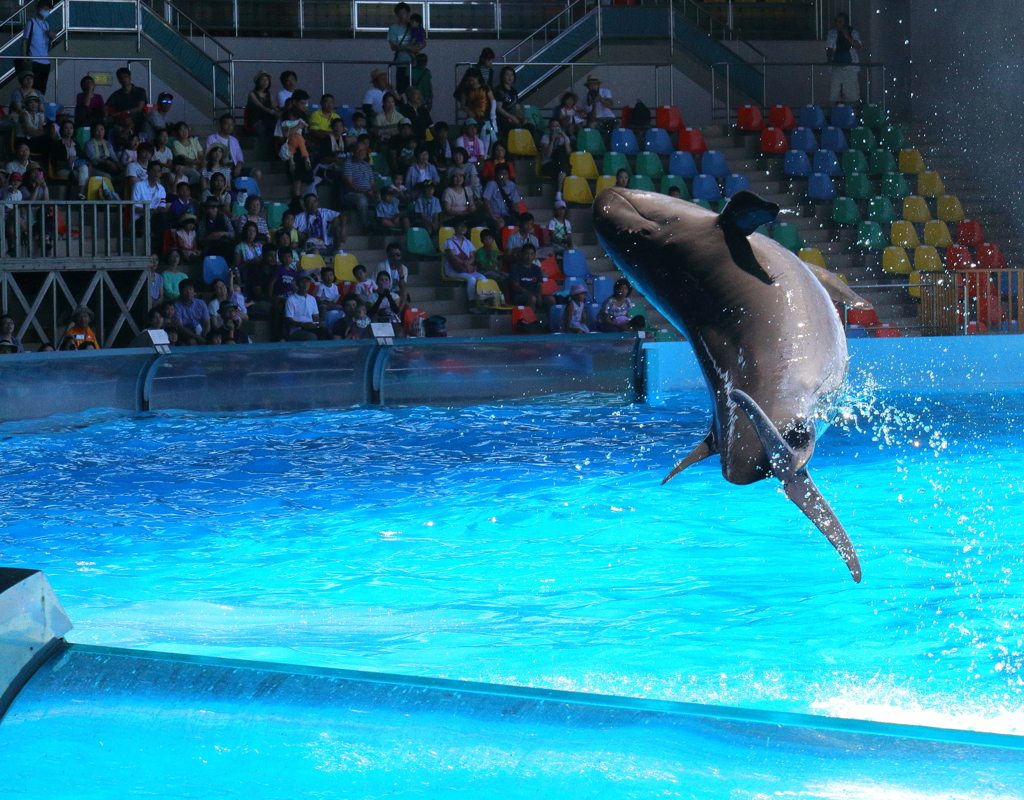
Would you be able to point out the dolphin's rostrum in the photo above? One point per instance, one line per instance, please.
(762, 326)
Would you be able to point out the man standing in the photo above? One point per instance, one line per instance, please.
(403, 46)
(36, 43)
(841, 50)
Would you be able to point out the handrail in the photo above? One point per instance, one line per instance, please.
(193, 25)
(543, 29)
(726, 27)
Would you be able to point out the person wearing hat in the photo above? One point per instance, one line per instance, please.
(26, 88)
(373, 100)
(574, 319)
(35, 43)
(597, 103)
(560, 230)
(475, 147)
(79, 336)
(260, 110)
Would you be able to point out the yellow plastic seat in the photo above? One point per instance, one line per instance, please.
(902, 234)
(949, 208)
(936, 234)
(443, 236)
(344, 263)
(583, 165)
(914, 290)
(474, 236)
(910, 162)
(520, 142)
(841, 277)
(927, 259)
(604, 182)
(895, 261)
(929, 184)
(812, 255)
(490, 288)
(94, 191)
(915, 209)
(311, 262)
(576, 190)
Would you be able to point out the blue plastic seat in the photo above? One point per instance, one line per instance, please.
(856, 332)
(603, 286)
(682, 164)
(713, 163)
(593, 309)
(248, 184)
(51, 111)
(834, 139)
(797, 164)
(803, 139)
(819, 187)
(555, 314)
(826, 163)
(844, 117)
(214, 268)
(574, 265)
(346, 112)
(624, 141)
(736, 183)
(811, 116)
(658, 141)
(705, 187)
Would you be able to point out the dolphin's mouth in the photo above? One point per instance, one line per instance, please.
(615, 216)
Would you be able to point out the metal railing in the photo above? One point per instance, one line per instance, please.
(792, 83)
(973, 301)
(52, 230)
(551, 29)
(189, 28)
(65, 79)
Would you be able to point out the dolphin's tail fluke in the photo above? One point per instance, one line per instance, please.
(797, 482)
(699, 453)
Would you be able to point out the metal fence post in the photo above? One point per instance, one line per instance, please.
(234, 14)
(302, 19)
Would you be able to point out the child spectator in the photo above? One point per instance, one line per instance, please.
(555, 149)
(488, 258)
(130, 151)
(328, 298)
(575, 317)
(386, 307)
(389, 215)
(281, 285)
(226, 303)
(366, 288)
(182, 203)
(173, 275)
(185, 240)
(476, 150)
(358, 128)
(560, 230)
(287, 227)
(673, 191)
(426, 211)
(568, 116)
(358, 327)
(138, 170)
(401, 149)
(522, 236)
(292, 126)
(417, 32)
(614, 316)
(402, 193)
(79, 336)
(526, 279)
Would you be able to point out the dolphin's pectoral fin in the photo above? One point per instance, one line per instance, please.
(747, 212)
(797, 482)
(699, 453)
(838, 292)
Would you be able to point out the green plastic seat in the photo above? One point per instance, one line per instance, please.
(275, 211)
(764, 230)
(674, 180)
(893, 139)
(870, 236)
(379, 164)
(880, 209)
(382, 181)
(534, 116)
(882, 161)
(237, 209)
(845, 211)
(82, 135)
(589, 141)
(649, 164)
(854, 161)
(788, 236)
(417, 241)
(613, 162)
(894, 185)
(862, 139)
(641, 182)
(872, 116)
(858, 186)
(707, 205)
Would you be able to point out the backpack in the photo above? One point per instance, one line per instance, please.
(641, 116)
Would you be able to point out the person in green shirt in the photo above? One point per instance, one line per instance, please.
(488, 258)
(423, 80)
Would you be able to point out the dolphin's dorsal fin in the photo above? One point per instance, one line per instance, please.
(747, 212)
(797, 483)
(699, 453)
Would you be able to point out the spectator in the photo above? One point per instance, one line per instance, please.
(460, 260)
(386, 307)
(401, 149)
(188, 152)
(356, 325)
(128, 98)
(156, 284)
(328, 162)
(328, 297)
(289, 80)
(614, 316)
(476, 150)
(524, 235)
(159, 118)
(560, 230)
(235, 158)
(488, 257)
(254, 214)
(422, 170)
(423, 80)
(173, 275)
(460, 160)
(219, 193)
(79, 336)
(215, 166)
(555, 149)
(360, 189)
(403, 45)
(287, 227)
(152, 191)
(302, 315)
(186, 240)
(182, 203)
(568, 115)
(462, 202)
(426, 211)
(249, 251)
(322, 226)
(122, 131)
(66, 164)
(526, 280)
(417, 31)
(673, 191)
(366, 288)
(441, 153)
(389, 214)
(388, 120)
(841, 49)
(89, 106)
(483, 66)
(499, 155)
(402, 193)
(36, 43)
(9, 343)
(100, 155)
(575, 318)
(215, 232)
(30, 125)
(398, 271)
(163, 154)
(373, 100)
(260, 109)
(26, 89)
(417, 113)
(192, 313)
(502, 196)
(230, 332)
(622, 179)
(292, 128)
(597, 104)
(136, 170)
(509, 111)
(321, 119)
(358, 129)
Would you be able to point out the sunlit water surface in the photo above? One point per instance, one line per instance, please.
(534, 545)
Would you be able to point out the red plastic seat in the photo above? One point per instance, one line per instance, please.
(550, 267)
(522, 314)
(865, 317)
(990, 256)
(959, 257)
(168, 241)
(627, 116)
(549, 286)
(969, 233)
(691, 140)
(885, 332)
(773, 141)
(542, 235)
(507, 231)
(781, 117)
(749, 118)
(668, 118)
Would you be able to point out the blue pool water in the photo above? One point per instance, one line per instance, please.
(534, 545)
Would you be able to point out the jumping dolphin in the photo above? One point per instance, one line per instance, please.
(761, 323)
